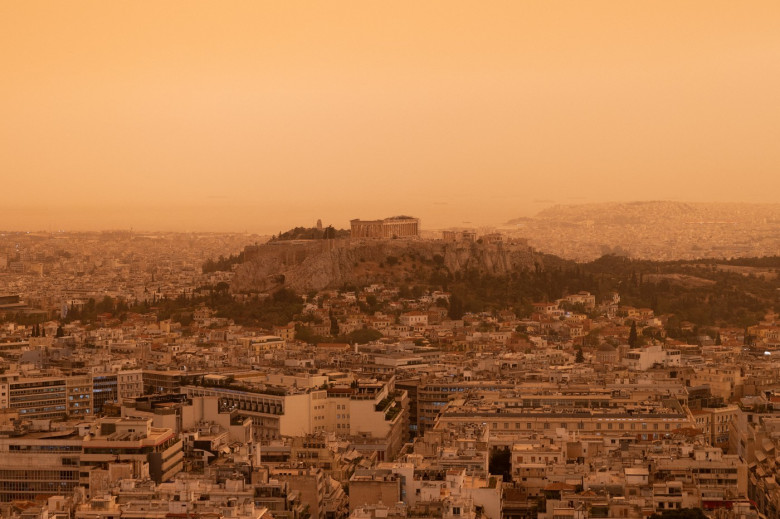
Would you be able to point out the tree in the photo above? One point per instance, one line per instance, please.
(500, 463)
(106, 306)
(363, 336)
(718, 340)
(330, 233)
(684, 513)
(334, 325)
(284, 295)
(593, 338)
(306, 334)
(456, 307)
(633, 340)
(580, 358)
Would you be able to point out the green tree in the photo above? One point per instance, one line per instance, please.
(455, 311)
(593, 338)
(306, 334)
(330, 233)
(334, 325)
(363, 336)
(500, 463)
(684, 513)
(633, 339)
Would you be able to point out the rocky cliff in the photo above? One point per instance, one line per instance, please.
(319, 264)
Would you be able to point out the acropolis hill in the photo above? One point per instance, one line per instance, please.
(317, 264)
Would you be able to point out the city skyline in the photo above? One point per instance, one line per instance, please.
(389, 260)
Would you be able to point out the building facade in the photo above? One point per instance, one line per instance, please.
(395, 227)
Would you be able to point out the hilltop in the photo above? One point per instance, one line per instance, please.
(490, 277)
(317, 264)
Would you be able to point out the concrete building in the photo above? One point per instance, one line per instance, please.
(647, 422)
(133, 440)
(642, 359)
(41, 397)
(718, 477)
(130, 384)
(38, 463)
(370, 409)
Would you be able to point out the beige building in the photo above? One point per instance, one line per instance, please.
(367, 408)
(79, 396)
(130, 384)
(718, 477)
(372, 487)
(643, 424)
(132, 440)
(714, 423)
(38, 464)
(43, 397)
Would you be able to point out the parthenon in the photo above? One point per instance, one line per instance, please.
(394, 227)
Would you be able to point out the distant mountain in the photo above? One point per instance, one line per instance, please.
(656, 230)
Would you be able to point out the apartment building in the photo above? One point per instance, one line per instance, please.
(647, 422)
(134, 440)
(42, 397)
(373, 409)
(37, 464)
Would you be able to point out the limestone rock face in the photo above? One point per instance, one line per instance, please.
(320, 264)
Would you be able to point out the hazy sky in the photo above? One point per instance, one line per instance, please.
(261, 115)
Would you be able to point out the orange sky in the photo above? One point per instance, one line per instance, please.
(262, 115)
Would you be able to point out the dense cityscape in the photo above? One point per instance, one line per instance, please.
(435, 259)
(139, 382)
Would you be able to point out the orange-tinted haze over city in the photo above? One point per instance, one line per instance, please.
(262, 115)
